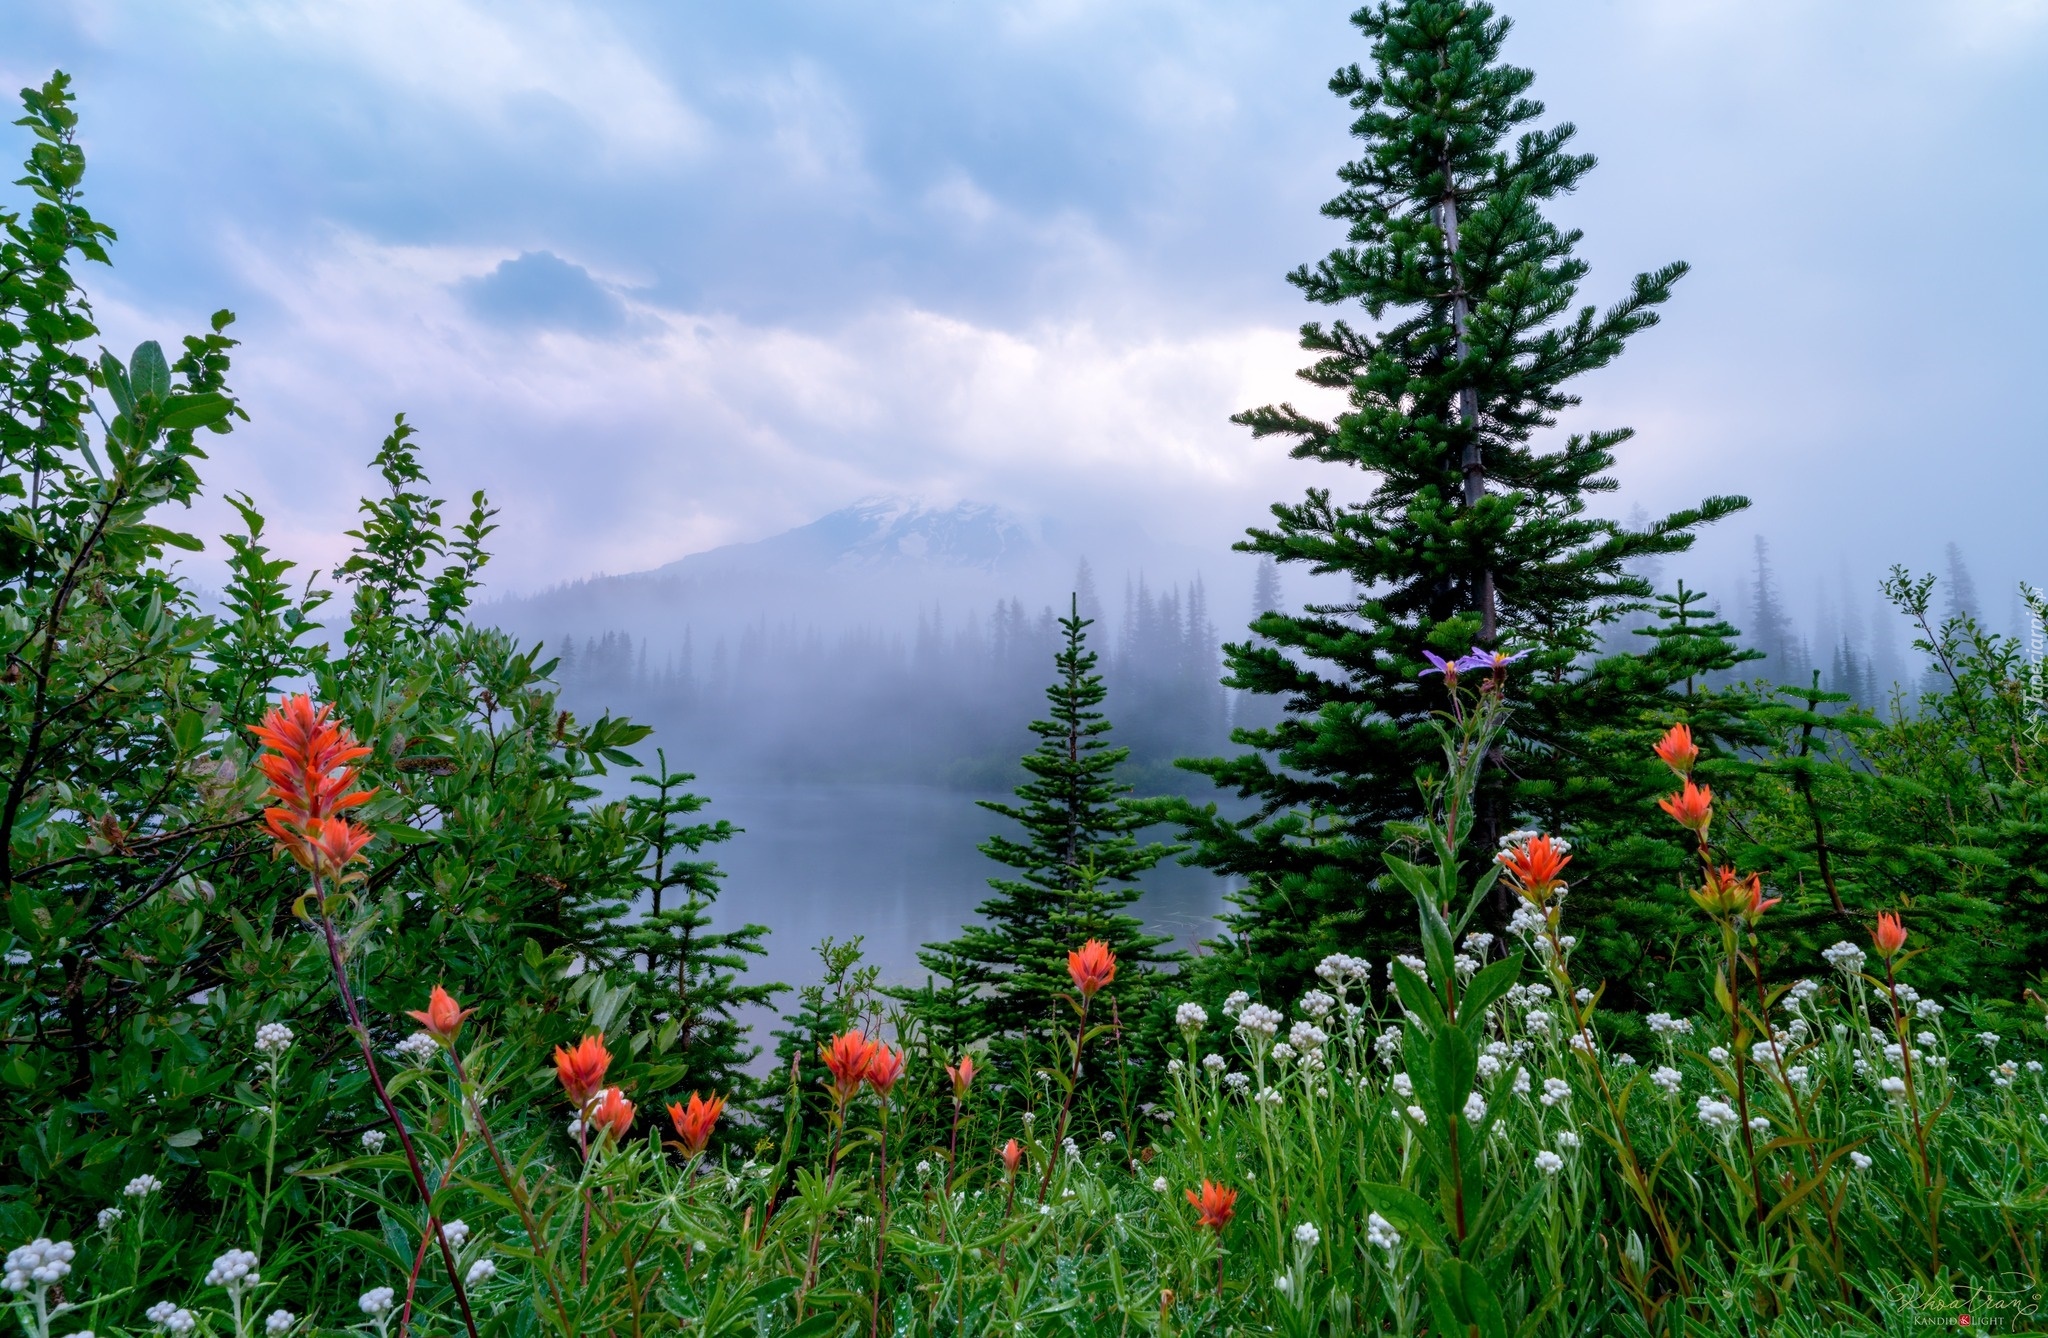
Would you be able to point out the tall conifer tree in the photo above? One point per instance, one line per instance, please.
(1076, 867)
(689, 974)
(1470, 533)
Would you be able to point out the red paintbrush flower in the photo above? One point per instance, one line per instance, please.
(1724, 892)
(1092, 966)
(1757, 903)
(442, 1016)
(847, 1057)
(1215, 1204)
(1889, 936)
(962, 1076)
(613, 1114)
(1013, 1157)
(1535, 865)
(1677, 750)
(694, 1123)
(1691, 808)
(582, 1069)
(885, 1066)
(306, 757)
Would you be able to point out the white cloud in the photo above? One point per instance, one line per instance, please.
(492, 63)
(699, 429)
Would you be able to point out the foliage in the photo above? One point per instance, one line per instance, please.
(1078, 866)
(1469, 534)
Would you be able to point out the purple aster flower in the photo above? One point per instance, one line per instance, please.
(1450, 669)
(1491, 660)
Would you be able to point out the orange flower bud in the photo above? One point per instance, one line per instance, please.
(962, 1076)
(694, 1123)
(582, 1069)
(1092, 966)
(1013, 1157)
(885, 1066)
(1215, 1205)
(1677, 750)
(1889, 936)
(1691, 808)
(847, 1057)
(442, 1017)
(613, 1114)
(1535, 865)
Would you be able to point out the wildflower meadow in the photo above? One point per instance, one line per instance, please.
(351, 983)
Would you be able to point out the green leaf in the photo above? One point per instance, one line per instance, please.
(148, 371)
(400, 834)
(184, 1138)
(202, 410)
(1486, 987)
(116, 378)
(1418, 998)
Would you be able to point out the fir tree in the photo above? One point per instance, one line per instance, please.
(689, 975)
(1470, 532)
(1076, 867)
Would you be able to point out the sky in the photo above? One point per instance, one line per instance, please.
(661, 275)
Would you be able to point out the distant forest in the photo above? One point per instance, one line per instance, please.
(947, 703)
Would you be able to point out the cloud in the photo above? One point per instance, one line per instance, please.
(499, 64)
(539, 288)
(620, 436)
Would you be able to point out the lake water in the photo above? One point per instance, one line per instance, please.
(894, 864)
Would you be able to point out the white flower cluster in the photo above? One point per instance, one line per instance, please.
(1554, 1091)
(1413, 963)
(417, 1048)
(1215, 1063)
(1475, 1108)
(1237, 1082)
(1759, 1125)
(1340, 970)
(480, 1272)
(1234, 1003)
(1527, 921)
(279, 1322)
(1668, 1078)
(1567, 1140)
(1845, 957)
(1191, 1017)
(142, 1186)
(109, 1216)
(1717, 1114)
(1988, 1039)
(1549, 1162)
(1477, 943)
(40, 1263)
(1159, 1185)
(1317, 1004)
(235, 1270)
(1307, 1236)
(171, 1319)
(1387, 1046)
(1802, 990)
(1465, 966)
(1307, 1037)
(1663, 1024)
(273, 1039)
(1380, 1232)
(1258, 1021)
(1860, 1160)
(1267, 1097)
(373, 1140)
(457, 1233)
(376, 1301)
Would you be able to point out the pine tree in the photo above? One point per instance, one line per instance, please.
(1076, 867)
(689, 975)
(1470, 533)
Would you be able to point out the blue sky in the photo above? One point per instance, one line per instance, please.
(664, 275)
